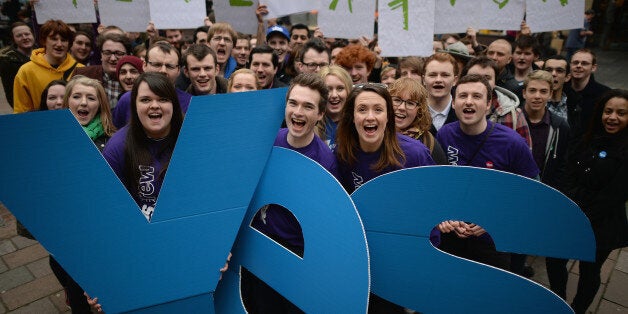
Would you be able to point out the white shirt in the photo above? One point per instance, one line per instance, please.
(439, 117)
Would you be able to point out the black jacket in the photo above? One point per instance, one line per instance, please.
(597, 180)
(553, 169)
(10, 62)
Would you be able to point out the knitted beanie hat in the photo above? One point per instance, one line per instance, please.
(133, 60)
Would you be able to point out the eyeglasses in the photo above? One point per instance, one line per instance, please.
(313, 65)
(158, 65)
(583, 63)
(558, 70)
(218, 39)
(118, 54)
(409, 103)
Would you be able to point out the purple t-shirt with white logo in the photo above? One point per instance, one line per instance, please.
(416, 154)
(277, 222)
(503, 149)
(151, 177)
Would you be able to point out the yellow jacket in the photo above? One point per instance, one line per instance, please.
(32, 78)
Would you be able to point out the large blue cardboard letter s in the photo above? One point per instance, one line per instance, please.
(401, 208)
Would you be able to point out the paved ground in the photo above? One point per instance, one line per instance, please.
(27, 284)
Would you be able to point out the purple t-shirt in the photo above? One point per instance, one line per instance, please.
(151, 177)
(416, 154)
(277, 222)
(121, 114)
(504, 149)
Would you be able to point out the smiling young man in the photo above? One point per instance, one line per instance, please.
(299, 34)
(305, 106)
(550, 136)
(52, 62)
(314, 56)
(439, 78)
(504, 104)
(200, 67)
(358, 61)
(14, 56)
(525, 53)
(550, 132)
(264, 62)
(583, 64)
(241, 51)
(475, 141)
(112, 46)
(278, 38)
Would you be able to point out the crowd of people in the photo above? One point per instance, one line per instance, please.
(503, 106)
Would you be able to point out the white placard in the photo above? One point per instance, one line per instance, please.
(131, 16)
(405, 27)
(278, 8)
(177, 14)
(347, 18)
(553, 15)
(456, 16)
(239, 13)
(500, 14)
(69, 11)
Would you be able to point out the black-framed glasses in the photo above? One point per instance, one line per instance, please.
(158, 65)
(118, 54)
(313, 65)
(410, 104)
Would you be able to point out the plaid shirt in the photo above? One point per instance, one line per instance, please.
(558, 108)
(520, 124)
(113, 90)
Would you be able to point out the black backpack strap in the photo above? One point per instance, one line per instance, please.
(67, 73)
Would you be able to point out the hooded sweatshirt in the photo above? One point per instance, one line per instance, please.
(505, 110)
(33, 77)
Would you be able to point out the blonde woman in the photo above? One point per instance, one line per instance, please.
(88, 102)
(339, 85)
(242, 80)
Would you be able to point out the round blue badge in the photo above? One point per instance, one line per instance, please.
(602, 154)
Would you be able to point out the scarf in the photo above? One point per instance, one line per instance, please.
(412, 132)
(94, 129)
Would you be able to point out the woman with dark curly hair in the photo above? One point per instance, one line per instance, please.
(597, 180)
